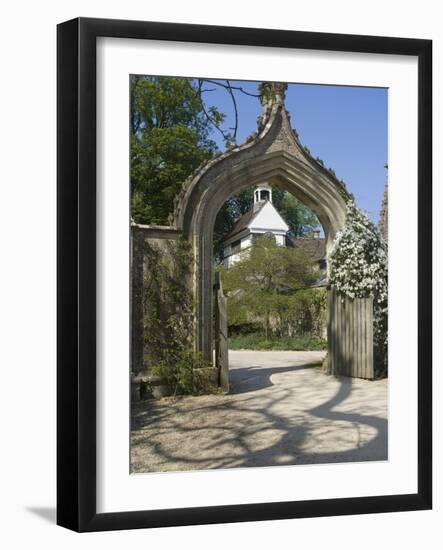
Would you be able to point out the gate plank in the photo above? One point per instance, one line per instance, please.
(221, 336)
(350, 335)
(223, 348)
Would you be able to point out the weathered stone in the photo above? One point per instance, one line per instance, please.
(158, 236)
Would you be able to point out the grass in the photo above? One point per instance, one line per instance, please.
(287, 343)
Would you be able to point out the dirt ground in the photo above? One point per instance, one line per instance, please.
(281, 410)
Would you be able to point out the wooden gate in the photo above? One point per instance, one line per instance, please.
(350, 336)
(221, 334)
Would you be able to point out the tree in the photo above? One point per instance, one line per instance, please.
(268, 282)
(170, 138)
(300, 218)
(171, 135)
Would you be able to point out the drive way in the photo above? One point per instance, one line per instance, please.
(281, 410)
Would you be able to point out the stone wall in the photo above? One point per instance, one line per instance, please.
(160, 237)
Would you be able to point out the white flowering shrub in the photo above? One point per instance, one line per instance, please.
(358, 268)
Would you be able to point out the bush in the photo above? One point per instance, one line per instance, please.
(186, 373)
(270, 288)
(287, 343)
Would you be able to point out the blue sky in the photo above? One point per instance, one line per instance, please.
(345, 126)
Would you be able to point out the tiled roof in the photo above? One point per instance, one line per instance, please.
(314, 248)
(244, 221)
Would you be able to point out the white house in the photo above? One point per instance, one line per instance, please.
(262, 218)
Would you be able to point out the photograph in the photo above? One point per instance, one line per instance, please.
(219, 254)
(259, 273)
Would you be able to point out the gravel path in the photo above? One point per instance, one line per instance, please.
(281, 410)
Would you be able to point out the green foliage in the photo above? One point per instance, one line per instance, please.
(168, 321)
(304, 342)
(269, 286)
(186, 373)
(358, 268)
(300, 218)
(304, 313)
(167, 299)
(145, 389)
(165, 286)
(170, 138)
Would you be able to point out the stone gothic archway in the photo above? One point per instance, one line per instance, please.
(274, 155)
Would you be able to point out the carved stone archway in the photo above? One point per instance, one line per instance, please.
(274, 155)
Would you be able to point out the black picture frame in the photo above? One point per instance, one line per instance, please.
(76, 265)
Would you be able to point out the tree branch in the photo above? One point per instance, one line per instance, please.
(234, 102)
(227, 137)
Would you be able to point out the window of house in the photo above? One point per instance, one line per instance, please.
(236, 247)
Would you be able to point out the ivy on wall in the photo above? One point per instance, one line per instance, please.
(168, 307)
(167, 299)
(358, 268)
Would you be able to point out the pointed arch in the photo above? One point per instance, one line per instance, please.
(274, 155)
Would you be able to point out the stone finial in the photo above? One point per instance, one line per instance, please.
(272, 92)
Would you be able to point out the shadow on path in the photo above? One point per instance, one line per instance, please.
(254, 378)
(223, 432)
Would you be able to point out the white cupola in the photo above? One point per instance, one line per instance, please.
(262, 193)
